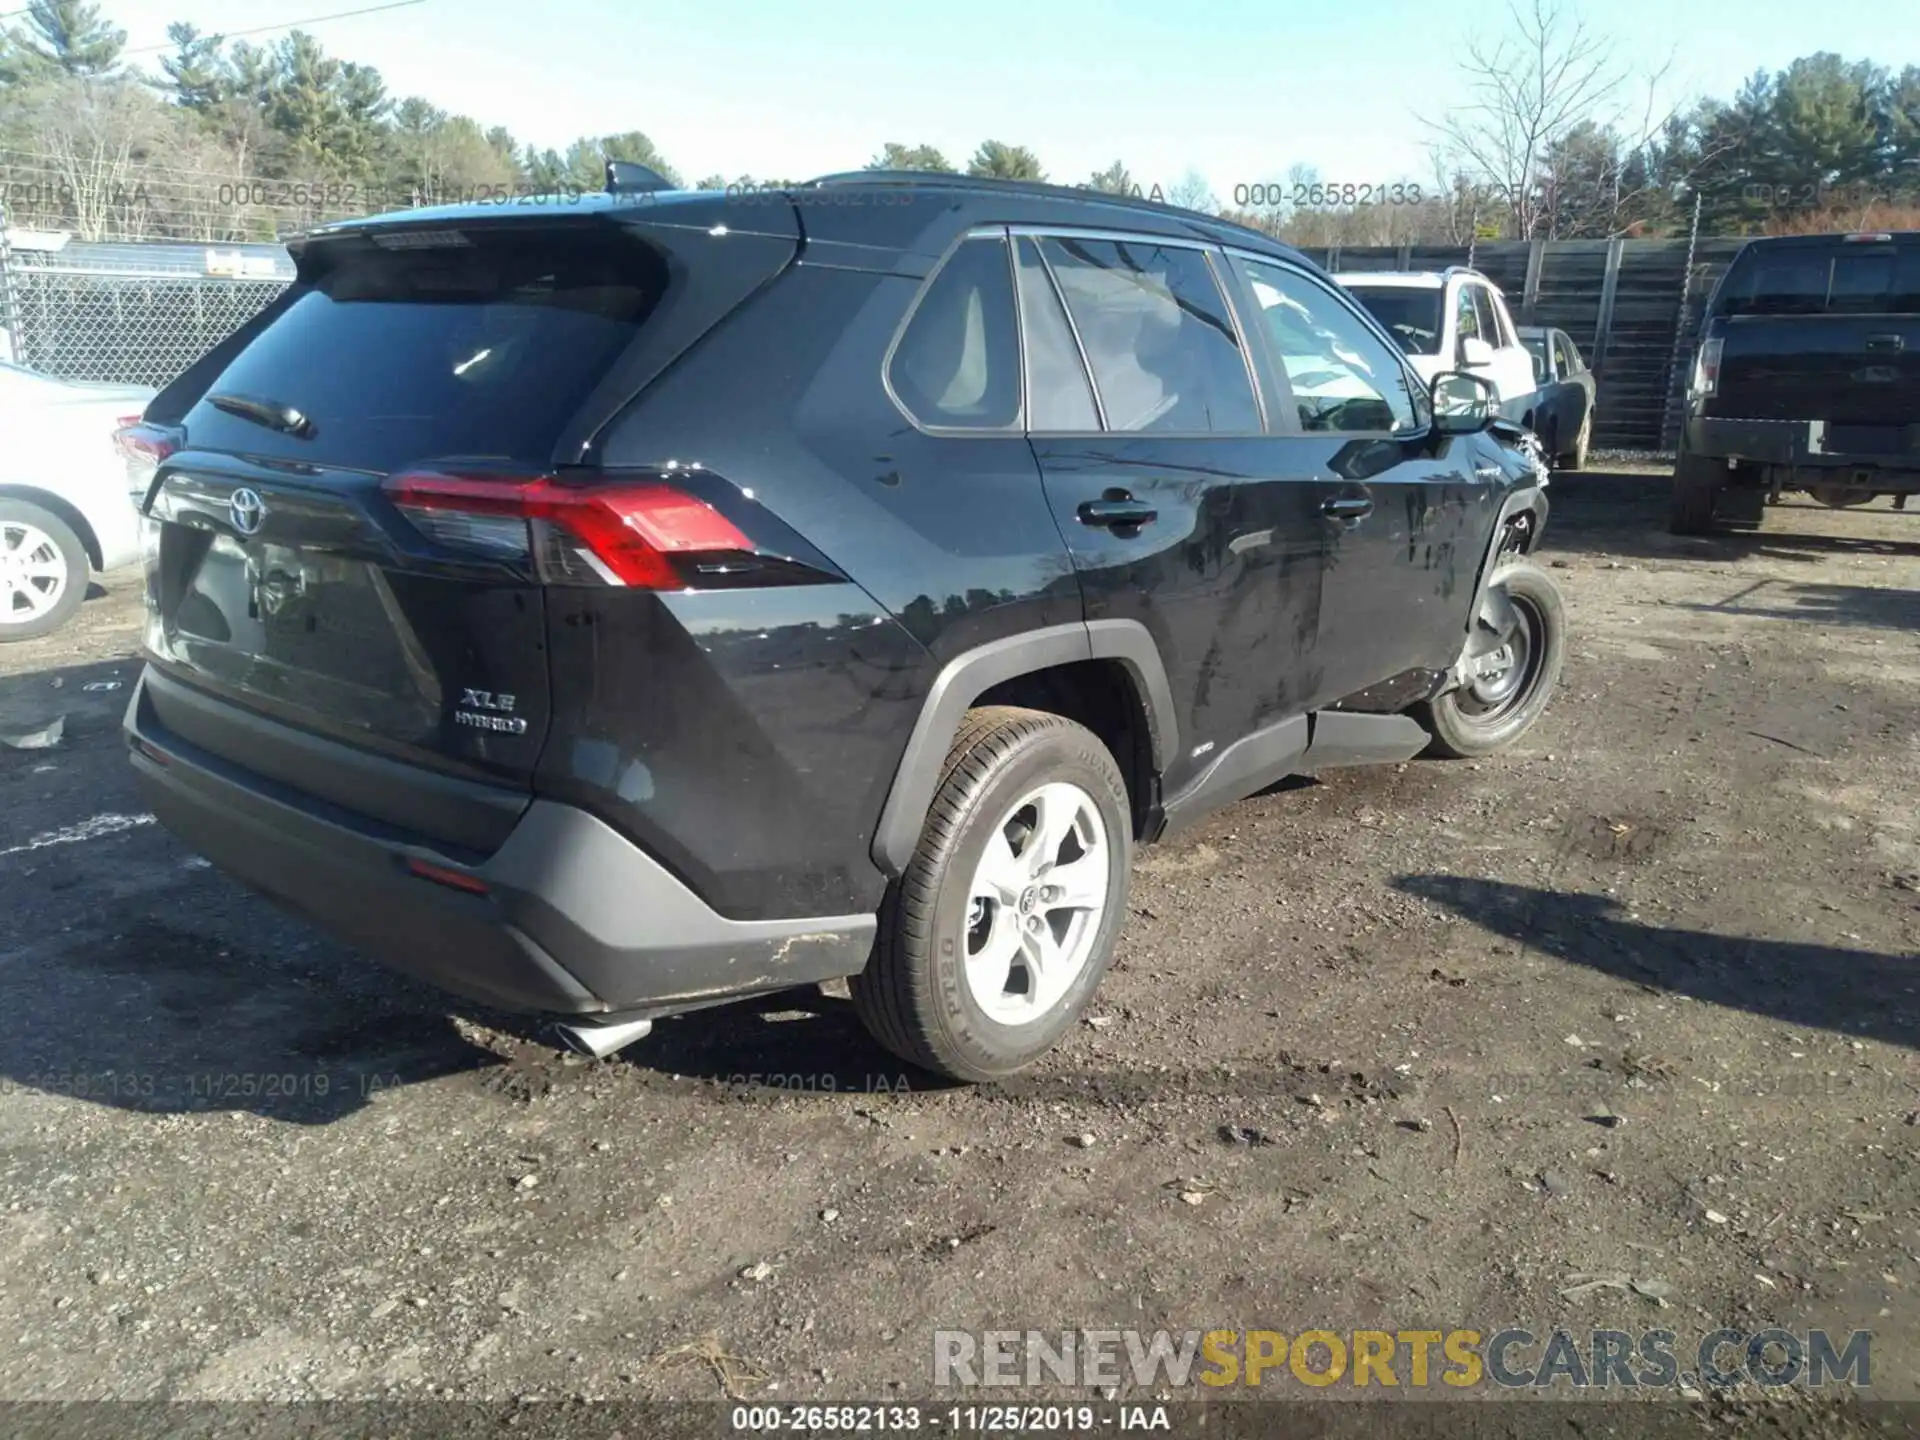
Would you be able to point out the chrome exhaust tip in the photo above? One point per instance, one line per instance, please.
(600, 1041)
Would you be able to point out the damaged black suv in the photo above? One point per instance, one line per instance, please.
(610, 608)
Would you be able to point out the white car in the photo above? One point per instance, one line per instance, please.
(64, 507)
(1454, 319)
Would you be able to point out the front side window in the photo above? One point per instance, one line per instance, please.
(1157, 334)
(1344, 378)
(1411, 314)
(957, 365)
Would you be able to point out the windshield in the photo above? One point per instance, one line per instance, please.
(1537, 348)
(1410, 313)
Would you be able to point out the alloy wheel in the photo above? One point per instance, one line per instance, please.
(33, 573)
(1035, 903)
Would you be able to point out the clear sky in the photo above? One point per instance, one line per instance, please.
(1239, 89)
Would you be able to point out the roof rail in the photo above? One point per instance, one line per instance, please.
(947, 179)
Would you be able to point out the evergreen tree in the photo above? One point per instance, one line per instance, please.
(66, 37)
(895, 156)
(1001, 161)
(197, 72)
(584, 166)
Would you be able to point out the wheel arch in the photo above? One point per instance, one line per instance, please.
(66, 510)
(1015, 669)
(1516, 531)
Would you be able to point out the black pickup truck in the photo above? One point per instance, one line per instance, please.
(1807, 378)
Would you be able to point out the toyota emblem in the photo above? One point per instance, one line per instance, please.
(246, 509)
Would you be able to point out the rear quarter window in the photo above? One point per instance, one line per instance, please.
(482, 350)
(957, 365)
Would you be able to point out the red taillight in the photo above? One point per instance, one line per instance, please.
(1706, 368)
(626, 533)
(143, 446)
(1867, 237)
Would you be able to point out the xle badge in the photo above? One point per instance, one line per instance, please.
(484, 710)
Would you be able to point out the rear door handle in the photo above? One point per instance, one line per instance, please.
(1347, 507)
(1117, 510)
(1886, 342)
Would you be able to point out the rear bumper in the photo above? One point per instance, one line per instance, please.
(575, 919)
(1812, 445)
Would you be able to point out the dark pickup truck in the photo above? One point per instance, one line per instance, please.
(1807, 378)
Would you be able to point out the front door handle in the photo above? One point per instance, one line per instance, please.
(1347, 507)
(1886, 342)
(1117, 510)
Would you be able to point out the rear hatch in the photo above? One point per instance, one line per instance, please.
(1826, 330)
(304, 570)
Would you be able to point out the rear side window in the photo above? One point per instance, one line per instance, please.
(1059, 395)
(1158, 336)
(1565, 356)
(957, 364)
(480, 346)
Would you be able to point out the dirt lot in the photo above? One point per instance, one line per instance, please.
(1639, 1002)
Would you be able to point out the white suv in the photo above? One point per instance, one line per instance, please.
(1454, 319)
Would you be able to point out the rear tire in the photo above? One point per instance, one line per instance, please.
(1492, 713)
(1696, 487)
(43, 571)
(1025, 797)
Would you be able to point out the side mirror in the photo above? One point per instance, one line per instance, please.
(1463, 404)
(1475, 352)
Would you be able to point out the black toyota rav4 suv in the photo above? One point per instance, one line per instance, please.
(610, 607)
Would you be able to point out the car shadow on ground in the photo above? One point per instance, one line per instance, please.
(800, 1041)
(165, 1018)
(1623, 515)
(1858, 605)
(1854, 992)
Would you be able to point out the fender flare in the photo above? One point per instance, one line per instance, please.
(969, 675)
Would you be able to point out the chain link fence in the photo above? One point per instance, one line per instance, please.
(128, 313)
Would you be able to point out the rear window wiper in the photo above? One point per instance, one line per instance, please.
(271, 413)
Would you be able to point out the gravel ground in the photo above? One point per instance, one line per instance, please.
(1433, 1044)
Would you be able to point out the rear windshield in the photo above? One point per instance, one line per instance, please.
(1411, 314)
(1841, 279)
(479, 344)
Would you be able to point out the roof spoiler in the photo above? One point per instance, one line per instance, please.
(628, 177)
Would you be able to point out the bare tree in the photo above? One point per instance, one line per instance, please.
(1548, 74)
(96, 137)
